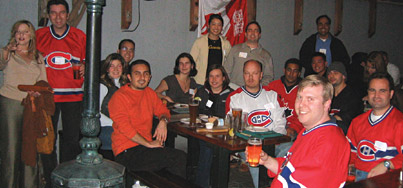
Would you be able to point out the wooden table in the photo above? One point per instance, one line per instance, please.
(389, 179)
(222, 148)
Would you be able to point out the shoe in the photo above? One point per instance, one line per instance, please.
(243, 167)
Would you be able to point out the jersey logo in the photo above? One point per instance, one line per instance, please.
(58, 60)
(366, 150)
(260, 118)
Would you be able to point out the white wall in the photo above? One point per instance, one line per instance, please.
(163, 32)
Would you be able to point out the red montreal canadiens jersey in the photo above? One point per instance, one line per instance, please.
(318, 158)
(263, 108)
(373, 142)
(287, 100)
(59, 52)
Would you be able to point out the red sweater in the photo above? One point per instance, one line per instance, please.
(132, 113)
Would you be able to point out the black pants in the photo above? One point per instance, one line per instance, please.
(69, 146)
(141, 158)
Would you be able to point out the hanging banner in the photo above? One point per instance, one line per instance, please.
(234, 13)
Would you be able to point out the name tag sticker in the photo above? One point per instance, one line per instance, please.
(60, 60)
(382, 146)
(243, 54)
(322, 50)
(191, 91)
(209, 103)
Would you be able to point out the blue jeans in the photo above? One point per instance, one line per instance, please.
(204, 165)
(360, 175)
(254, 171)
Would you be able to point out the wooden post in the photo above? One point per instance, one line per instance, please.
(299, 5)
(338, 18)
(251, 9)
(194, 15)
(372, 18)
(126, 14)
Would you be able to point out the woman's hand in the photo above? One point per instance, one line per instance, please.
(34, 93)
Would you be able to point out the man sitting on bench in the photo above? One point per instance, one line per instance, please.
(132, 108)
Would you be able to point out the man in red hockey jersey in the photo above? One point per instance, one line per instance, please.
(61, 46)
(286, 88)
(376, 136)
(319, 157)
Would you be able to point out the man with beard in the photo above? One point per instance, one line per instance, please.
(346, 104)
(132, 108)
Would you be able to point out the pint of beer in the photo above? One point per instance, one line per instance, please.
(76, 71)
(193, 112)
(236, 112)
(254, 150)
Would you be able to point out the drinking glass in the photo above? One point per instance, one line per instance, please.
(193, 112)
(254, 150)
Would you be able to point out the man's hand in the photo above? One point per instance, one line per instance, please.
(82, 70)
(154, 144)
(377, 170)
(161, 131)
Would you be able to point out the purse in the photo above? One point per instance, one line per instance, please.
(45, 144)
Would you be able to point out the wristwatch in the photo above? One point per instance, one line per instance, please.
(164, 118)
(386, 163)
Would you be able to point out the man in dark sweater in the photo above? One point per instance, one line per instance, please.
(323, 42)
(346, 104)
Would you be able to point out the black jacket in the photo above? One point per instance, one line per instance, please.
(339, 53)
(218, 106)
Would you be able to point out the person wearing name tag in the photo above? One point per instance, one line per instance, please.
(250, 49)
(261, 104)
(213, 97)
(376, 136)
(181, 85)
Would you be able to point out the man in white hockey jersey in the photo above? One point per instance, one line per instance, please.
(261, 104)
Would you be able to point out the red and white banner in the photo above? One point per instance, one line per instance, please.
(234, 13)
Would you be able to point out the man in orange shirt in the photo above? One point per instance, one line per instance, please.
(132, 108)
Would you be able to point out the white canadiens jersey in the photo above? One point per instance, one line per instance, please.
(263, 108)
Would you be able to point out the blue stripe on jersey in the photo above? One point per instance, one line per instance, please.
(388, 154)
(373, 123)
(317, 127)
(286, 175)
(253, 95)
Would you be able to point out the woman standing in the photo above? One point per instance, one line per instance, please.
(113, 75)
(180, 86)
(213, 96)
(211, 48)
(21, 64)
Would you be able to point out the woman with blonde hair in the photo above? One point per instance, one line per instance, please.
(21, 64)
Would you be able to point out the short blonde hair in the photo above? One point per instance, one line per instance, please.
(316, 80)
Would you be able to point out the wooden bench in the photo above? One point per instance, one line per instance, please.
(160, 179)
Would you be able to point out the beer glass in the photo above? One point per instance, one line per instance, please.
(193, 111)
(236, 112)
(76, 70)
(254, 150)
